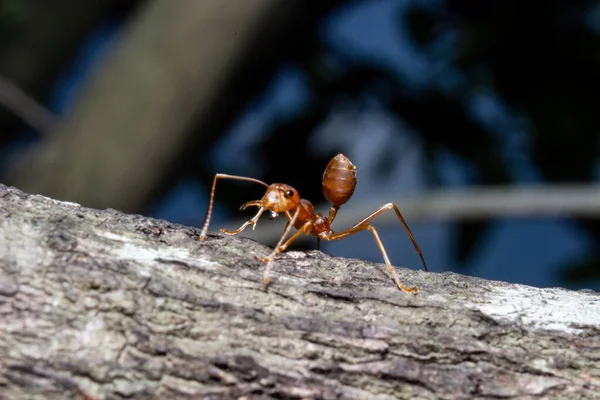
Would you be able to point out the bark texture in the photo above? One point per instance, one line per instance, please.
(113, 306)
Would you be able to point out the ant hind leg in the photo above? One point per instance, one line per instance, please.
(392, 206)
(362, 227)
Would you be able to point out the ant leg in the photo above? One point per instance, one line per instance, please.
(269, 259)
(302, 229)
(212, 196)
(294, 237)
(390, 206)
(252, 222)
(289, 241)
(265, 259)
(363, 226)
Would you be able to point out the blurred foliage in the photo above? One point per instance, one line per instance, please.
(335, 77)
(12, 12)
(541, 61)
(538, 60)
(38, 42)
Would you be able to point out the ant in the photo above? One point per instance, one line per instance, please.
(339, 182)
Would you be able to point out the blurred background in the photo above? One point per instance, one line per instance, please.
(480, 120)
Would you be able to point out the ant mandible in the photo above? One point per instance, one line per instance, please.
(339, 182)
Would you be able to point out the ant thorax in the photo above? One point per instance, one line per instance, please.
(322, 228)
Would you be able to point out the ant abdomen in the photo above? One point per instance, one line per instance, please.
(339, 180)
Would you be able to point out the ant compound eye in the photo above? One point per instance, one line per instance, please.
(289, 194)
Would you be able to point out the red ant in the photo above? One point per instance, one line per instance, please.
(339, 181)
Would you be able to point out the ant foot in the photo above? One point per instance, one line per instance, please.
(265, 259)
(413, 290)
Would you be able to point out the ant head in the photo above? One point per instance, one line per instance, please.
(280, 198)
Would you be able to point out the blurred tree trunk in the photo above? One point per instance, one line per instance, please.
(44, 43)
(179, 65)
(112, 306)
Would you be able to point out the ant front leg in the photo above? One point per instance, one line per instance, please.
(283, 247)
(294, 236)
(269, 259)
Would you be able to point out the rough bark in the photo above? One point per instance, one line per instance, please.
(109, 305)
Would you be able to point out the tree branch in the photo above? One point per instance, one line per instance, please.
(25, 107)
(45, 42)
(113, 305)
(477, 203)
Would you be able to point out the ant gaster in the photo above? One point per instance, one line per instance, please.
(339, 181)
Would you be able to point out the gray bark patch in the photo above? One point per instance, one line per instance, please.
(108, 305)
